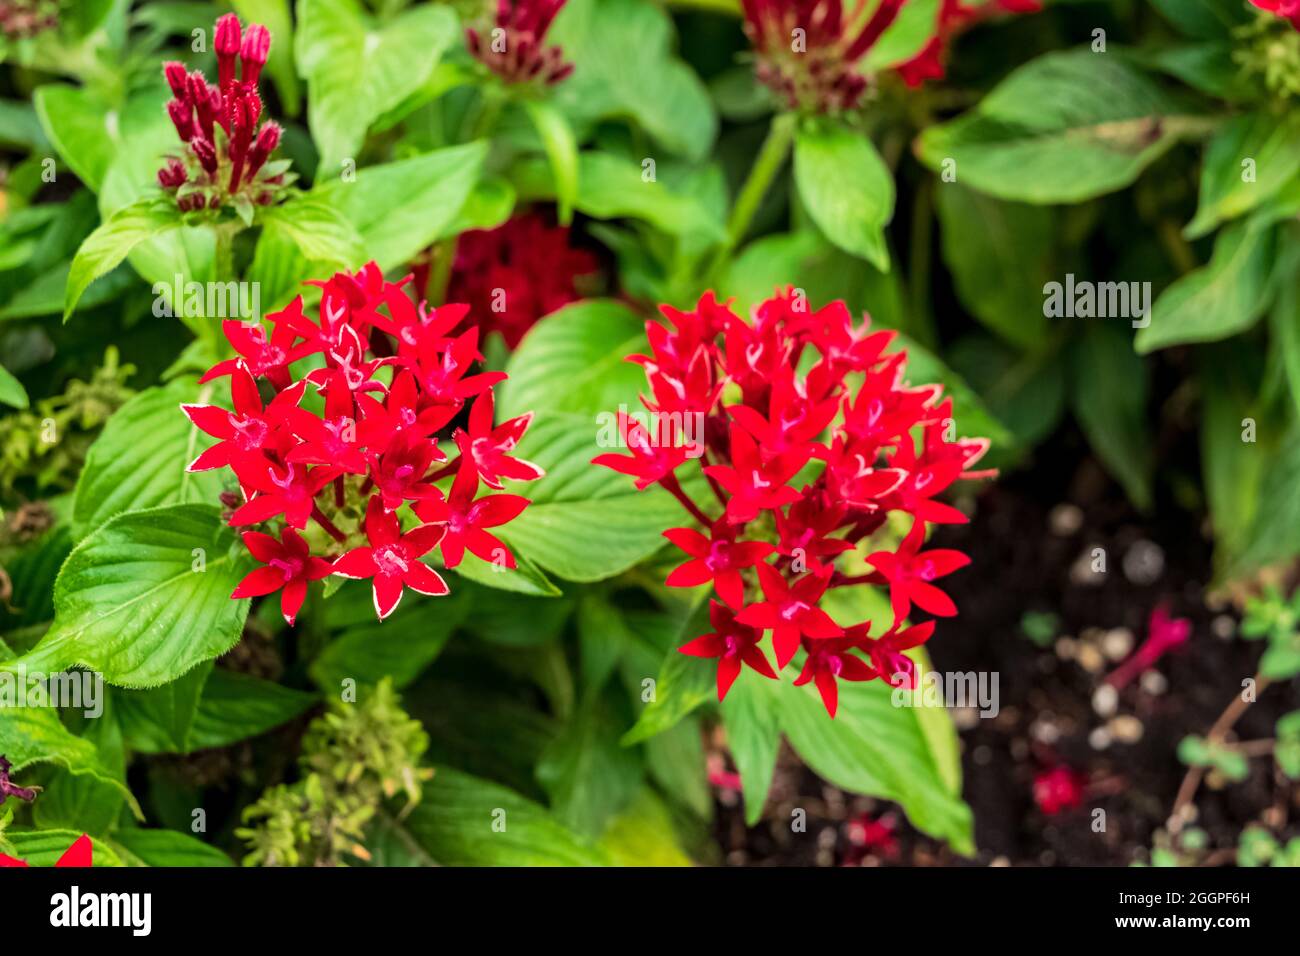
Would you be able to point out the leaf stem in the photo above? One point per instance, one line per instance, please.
(771, 157)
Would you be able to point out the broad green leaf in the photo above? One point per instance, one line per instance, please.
(89, 803)
(234, 707)
(145, 598)
(81, 130)
(357, 69)
(159, 719)
(400, 648)
(1000, 255)
(971, 418)
(875, 747)
(1274, 534)
(643, 835)
(753, 723)
(140, 847)
(400, 208)
(1220, 299)
(846, 187)
(108, 245)
(1249, 160)
(12, 392)
(466, 821)
(525, 578)
(42, 848)
(623, 69)
(321, 232)
(911, 30)
(1108, 392)
(562, 150)
(1204, 19)
(277, 17)
(1065, 127)
(1025, 391)
(140, 458)
(683, 684)
(676, 762)
(610, 187)
(584, 345)
(35, 735)
(587, 775)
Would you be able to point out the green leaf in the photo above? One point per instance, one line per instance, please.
(108, 245)
(1220, 299)
(610, 187)
(1204, 19)
(159, 719)
(874, 747)
(562, 150)
(1108, 392)
(846, 187)
(466, 821)
(357, 69)
(1000, 255)
(130, 603)
(42, 848)
(525, 578)
(400, 208)
(79, 128)
(140, 458)
(1065, 127)
(911, 30)
(12, 392)
(587, 775)
(1272, 148)
(684, 682)
(321, 233)
(276, 16)
(35, 735)
(752, 720)
(85, 802)
(1274, 533)
(234, 707)
(140, 847)
(624, 69)
(643, 835)
(400, 648)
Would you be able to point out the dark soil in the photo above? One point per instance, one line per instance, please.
(1024, 545)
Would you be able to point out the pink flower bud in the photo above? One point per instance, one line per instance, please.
(226, 43)
(177, 78)
(268, 138)
(182, 117)
(253, 53)
(172, 176)
(206, 153)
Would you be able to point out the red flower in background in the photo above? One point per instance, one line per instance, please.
(372, 448)
(515, 49)
(955, 16)
(1059, 789)
(230, 168)
(1164, 634)
(814, 68)
(514, 274)
(8, 789)
(803, 471)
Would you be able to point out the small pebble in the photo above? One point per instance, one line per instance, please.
(1066, 647)
(1105, 700)
(1126, 729)
(1099, 739)
(1090, 658)
(1065, 519)
(1224, 627)
(1117, 643)
(1045, 732)
(966, 718)
(982, 754)
(1081, 571)
(1000, 861)
(1019, 749)
(1144, 562)
(1153, 683)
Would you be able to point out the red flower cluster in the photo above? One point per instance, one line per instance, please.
(1059, 789)
(513, 275)
(761, 429)
(226, 158)
(1287, 9)
(515, 47)
(333, 465)
(807, 49)
(955, 16)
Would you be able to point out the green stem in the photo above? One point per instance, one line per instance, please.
(771, 158)
(223, 265)
(444, 255)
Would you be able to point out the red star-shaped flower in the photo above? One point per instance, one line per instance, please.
(733, 644)
(466, 519)
(488, 448)
(718, 558)
(790, 611)
(910, 572)
(391, 558)
(289, 568)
